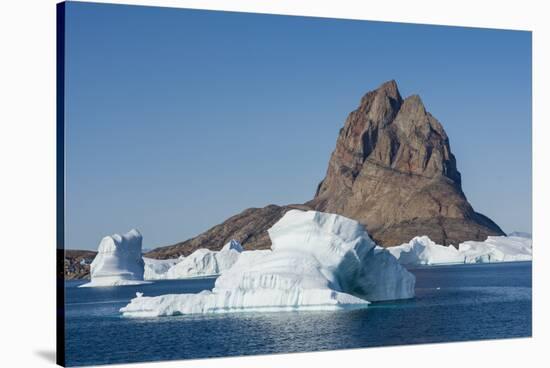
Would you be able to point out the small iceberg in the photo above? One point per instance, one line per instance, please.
(317, 261)
(156, 269)
(201, 263)
(421, 250)
(497, 249)
(118, 261)
(205, 262)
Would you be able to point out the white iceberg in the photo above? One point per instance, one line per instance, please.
(201, 263)
(421, 250)
(155, 269)
(317, 261)
(118, 261)
(383, 278)
(497, 249)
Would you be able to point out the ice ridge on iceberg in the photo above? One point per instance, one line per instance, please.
(317, 261)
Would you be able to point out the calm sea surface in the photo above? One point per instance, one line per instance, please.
(453, 303)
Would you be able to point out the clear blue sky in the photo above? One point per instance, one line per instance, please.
(178, 119)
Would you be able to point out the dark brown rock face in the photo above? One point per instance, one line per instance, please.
(393, 170)
(77, 264)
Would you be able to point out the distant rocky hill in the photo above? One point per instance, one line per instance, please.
(77, 264)
(392, 170)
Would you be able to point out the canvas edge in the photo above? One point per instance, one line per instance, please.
(60, 183)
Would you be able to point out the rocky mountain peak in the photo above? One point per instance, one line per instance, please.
(392, 170)
(393, 166)
(388, 89)
(382, 104)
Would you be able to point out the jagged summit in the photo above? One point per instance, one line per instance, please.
(394, 133)
(392, 170)
(389, 89)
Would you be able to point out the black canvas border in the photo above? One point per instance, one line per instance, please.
(60, 183)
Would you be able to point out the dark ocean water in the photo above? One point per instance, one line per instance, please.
(452, 303)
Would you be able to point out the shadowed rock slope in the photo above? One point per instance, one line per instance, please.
(392, 170)
(248, 227)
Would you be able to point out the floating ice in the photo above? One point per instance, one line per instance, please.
(497, 249)
(118, 261)
(201, 263)
(423, 251)
(318, 261)
(155, 269)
